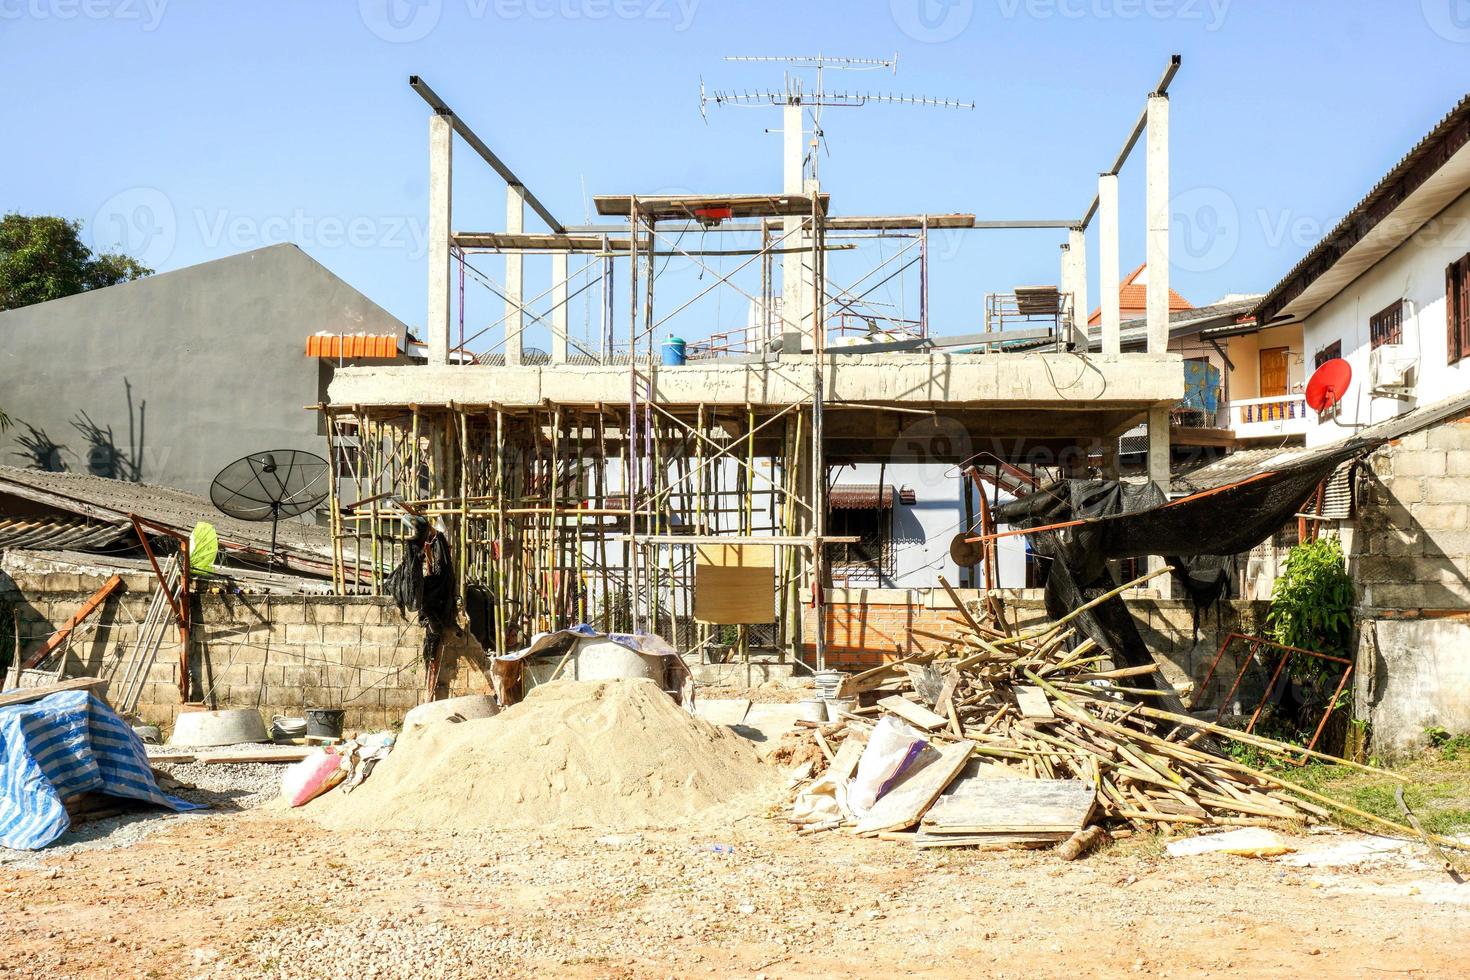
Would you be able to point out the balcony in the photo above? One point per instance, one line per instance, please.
(1269, 418)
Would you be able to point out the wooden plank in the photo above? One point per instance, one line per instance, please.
(734, 596)
(991, 842)
(1033, 702)
(848, 754)
(59, 637)
(283, 754)
(1028, 806)
(27, 695)
(915, 714)
(736, 555)
(903, 805)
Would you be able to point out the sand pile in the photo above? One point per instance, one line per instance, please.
(607, 754)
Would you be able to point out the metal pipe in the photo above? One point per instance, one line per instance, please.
(488, 155)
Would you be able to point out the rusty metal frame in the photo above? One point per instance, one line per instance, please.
(180, 605)
(1287, 652)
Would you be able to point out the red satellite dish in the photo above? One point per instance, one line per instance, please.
(1328, 384)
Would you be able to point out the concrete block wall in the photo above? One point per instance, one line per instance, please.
(277, 654)
(1409, 552)
(868, 627)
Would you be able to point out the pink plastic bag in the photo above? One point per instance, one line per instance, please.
(312, 776)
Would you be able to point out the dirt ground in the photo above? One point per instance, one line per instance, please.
(268, 893)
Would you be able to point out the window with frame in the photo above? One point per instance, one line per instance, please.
(1387, 326)
(1329, 353)
(871, 556)
(1457, 308)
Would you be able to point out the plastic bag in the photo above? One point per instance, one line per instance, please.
(891, 748)
(312, 776)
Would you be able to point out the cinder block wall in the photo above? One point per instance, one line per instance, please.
(867, 627)
(278, 654)
(1410, 552)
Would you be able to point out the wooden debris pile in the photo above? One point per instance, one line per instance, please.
(1031, 737)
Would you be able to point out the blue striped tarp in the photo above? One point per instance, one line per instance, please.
(61, 745)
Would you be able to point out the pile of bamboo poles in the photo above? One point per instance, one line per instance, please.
(1039, 704)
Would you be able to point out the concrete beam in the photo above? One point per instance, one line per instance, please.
(942, 382)
(1109, 274)
(793, 293)
(515, 276)
(441, 173)
(559, 307)
(1157, 204)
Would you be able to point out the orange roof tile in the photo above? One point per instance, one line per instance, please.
(352, 345)
(1133, 299)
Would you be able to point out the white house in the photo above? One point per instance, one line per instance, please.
(1389, 289)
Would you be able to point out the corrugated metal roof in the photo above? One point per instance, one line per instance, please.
(57, 534)
(865, 496)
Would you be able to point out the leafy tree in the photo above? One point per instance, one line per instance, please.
(1312, 603)
(43, 258)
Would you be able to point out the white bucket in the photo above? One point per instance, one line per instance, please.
(829, 682)
(812, 711)
(836, 706)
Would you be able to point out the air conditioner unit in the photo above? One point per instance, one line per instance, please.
(1391, 368)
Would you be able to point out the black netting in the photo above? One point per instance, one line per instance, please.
(1199, 533)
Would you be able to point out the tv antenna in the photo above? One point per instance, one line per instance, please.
(794, 97)
(271, 485)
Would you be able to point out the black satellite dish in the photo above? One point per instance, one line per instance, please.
(271, 485)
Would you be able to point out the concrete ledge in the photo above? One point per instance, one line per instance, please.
(983, 380)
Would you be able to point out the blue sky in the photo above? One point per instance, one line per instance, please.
(187, 131)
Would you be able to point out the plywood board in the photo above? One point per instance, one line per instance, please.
(1033, 702)
(735, 584)
(1020, 806)
(915, 714)
(903, 805)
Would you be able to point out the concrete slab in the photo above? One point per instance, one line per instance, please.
(1034, 380)
(722, 711)
(764, 724)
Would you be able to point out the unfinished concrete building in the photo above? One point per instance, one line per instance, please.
(610, 481)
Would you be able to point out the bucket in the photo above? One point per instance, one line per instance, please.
(836, 706)
(812, 711)
(285, 730)
(324, 722)
(828, 683)
(674, 352)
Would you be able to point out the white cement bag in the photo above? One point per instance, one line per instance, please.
(891, 748)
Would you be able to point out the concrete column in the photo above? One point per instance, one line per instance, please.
(559, 307)
(1158, 474)
(436, 324)
(1067, 289)
(1077, 247)
(793, 305)
(515, 276)
(1109, 275)
(1157, 203)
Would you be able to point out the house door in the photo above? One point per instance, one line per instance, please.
(1273, 371)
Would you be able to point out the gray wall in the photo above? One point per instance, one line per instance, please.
(189, 370)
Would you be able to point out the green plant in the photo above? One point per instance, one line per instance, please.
(1312, 606)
